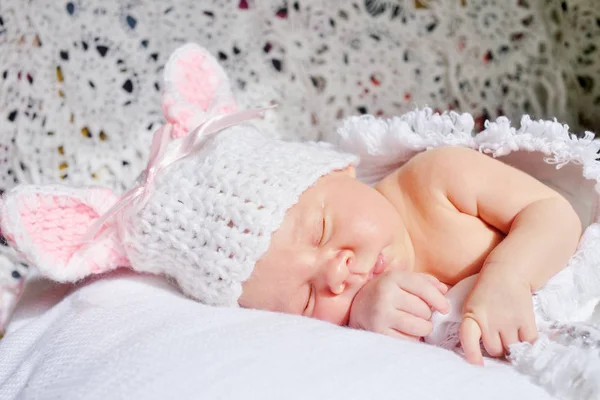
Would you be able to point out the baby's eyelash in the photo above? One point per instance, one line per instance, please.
(323, 227)
(310, 290)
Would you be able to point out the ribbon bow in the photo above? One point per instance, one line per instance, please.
(160, 158)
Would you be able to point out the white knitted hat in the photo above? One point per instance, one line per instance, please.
(202, 213)
(210, 217)
(203, 220)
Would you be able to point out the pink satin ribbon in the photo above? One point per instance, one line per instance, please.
(160, 158)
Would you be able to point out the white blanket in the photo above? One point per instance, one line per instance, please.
(129, 337)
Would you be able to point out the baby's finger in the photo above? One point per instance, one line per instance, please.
(470, 334)
(412, 304)
(442, 287)
(424, 289)
(528, 333)
(492, 343)
(410, 325)
(508, 337)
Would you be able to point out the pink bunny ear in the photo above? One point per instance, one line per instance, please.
(45, 224)
(195, 89)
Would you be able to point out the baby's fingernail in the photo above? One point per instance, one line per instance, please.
(446, 309)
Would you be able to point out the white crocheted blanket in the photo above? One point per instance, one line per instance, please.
(79, 82)
(566, 358)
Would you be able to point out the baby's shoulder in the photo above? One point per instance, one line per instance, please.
(446, 157)
(443, 164)
(425, 177)
(429, 177)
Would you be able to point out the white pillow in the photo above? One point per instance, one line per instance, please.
(134, 337)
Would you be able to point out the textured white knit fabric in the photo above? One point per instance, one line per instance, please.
(80, 80)
(210, 216)
(79, 89)
(203, 220)
(130, 337)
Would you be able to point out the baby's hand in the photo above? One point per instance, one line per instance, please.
(399, 303)
(498, 311)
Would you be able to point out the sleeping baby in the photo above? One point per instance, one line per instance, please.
(235, 218)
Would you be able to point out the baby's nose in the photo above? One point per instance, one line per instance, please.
(338, 271)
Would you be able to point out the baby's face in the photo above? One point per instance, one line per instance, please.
(331, 243)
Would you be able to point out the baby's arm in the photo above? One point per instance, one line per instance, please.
(541, 226)
(542, 231)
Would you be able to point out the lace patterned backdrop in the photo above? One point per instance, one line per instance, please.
(80, 80)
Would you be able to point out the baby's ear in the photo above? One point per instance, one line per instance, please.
(46, 224)
(195, 89)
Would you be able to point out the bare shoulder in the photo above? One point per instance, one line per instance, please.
(463, 168)
(464, 176)
(446, 161)
(426, 176)
(434, 171)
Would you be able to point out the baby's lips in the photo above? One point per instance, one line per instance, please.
(380, 265)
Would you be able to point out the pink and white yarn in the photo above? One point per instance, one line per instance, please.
(202, 212)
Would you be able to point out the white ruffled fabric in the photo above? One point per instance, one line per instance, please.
(566, 358)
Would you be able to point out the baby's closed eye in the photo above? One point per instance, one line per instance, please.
(310, 300)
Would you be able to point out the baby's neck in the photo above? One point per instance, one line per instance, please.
(411, 259)
(402, 206)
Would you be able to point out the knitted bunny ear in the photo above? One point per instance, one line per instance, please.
(45, 225)
(195, 89)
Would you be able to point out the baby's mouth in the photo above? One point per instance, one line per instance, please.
(378, 267)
